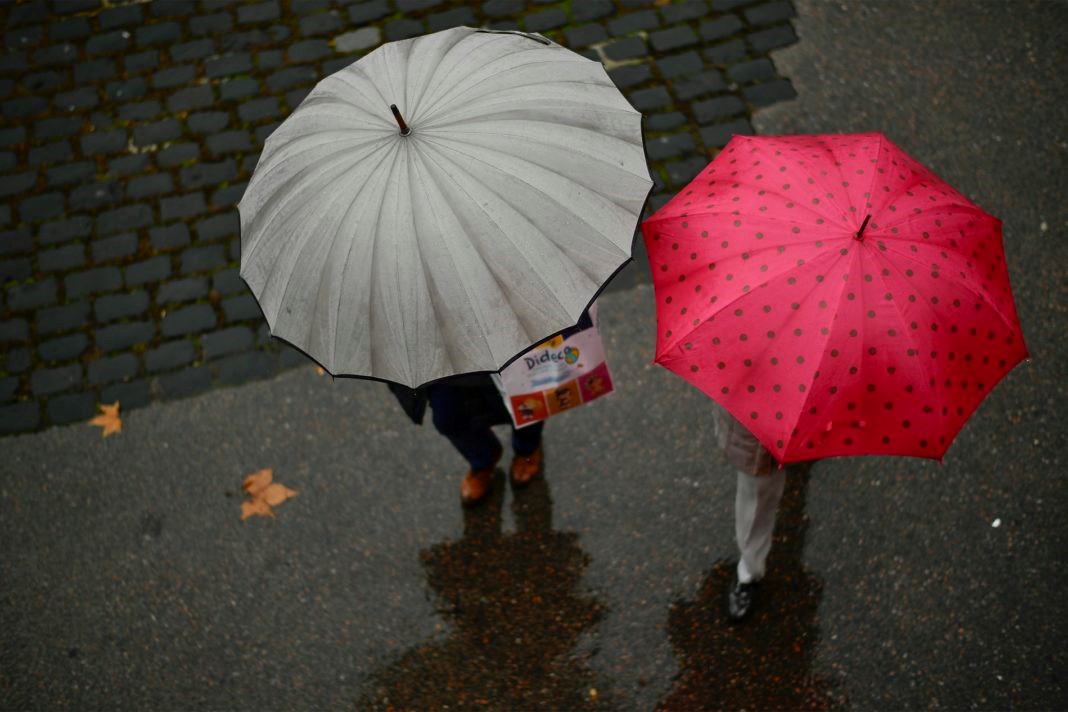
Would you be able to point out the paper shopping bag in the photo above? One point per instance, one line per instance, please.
(562, 373)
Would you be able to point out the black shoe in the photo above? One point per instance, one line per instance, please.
(740, 599)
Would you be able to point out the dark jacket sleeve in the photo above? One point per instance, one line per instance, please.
(412, 400)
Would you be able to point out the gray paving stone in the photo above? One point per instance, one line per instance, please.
(185, 383)
(63, 348)
(53, 320)
(103, 142)
(226, 341)
(191, 98)
(170, 355)
(264, 132)
(9, 386)
(120, 306)
(197, 49)
(682, 172)
(108, 42)
(91, 196)
(15, 241)
(210, 121)
(111, 369)
(754, 70)
(133, 394)
(309, 50)
(24, 106)
(18, 268)
(678, 65)
(721, 27)
(138, 62)
(20, 417)
(772, 38)
(63, 230)
(259, 109)
(42, 207)
(50, 153)
(234, 89)
(228, 281)
(177, 153)
(12, 330)
(161, 33)
(174, 76)
(229, 196)
(241, 308)
(591, 10)
(545, 20)
(218, 226)
(629, 48)
(769, 92)
(50, 80)
(120, 16)
(182, 290)
(57, 127)
(211, 24)
(226, 65)
(169, 237)
(182, 206)
(457, 17)
(152, 184)
(703, 84)
(686, 10)
(632, 22)
(13, 185)
(18, 360)
(670, 146)
(188, 320)
(45, 381)
(122, 336)
(585, 35)
(140, 111)
(269, 59)
(710, 110)
(113, 248)
(74, 28)
(291, 77)
(151, 270)
(124, 218)
(229, 142)
(363, 12)
(652, 98)
(128, 165)
(71, 408)
(158, 132)
(259, 12)
(61, 258)
(56, 54)
(718, 135)
(324, 23)
(202, 259)
(242, 368)
(11, 135)
(403, 29)
(673, 38)
(30, 296)
(770, 13)
(665, 122)
(92, 281)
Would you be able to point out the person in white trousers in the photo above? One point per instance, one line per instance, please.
(759, 490)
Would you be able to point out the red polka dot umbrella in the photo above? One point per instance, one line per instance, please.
(834, 295)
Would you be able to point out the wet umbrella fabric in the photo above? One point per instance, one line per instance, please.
(834, 295)
(489, 225)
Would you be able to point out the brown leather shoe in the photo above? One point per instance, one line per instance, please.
(525, 468)
(478, 483)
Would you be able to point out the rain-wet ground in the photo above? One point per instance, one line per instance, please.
(127, 579)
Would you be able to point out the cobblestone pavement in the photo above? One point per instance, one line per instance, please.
(129, 132)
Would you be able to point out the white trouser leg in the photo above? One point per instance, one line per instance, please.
(755, 504)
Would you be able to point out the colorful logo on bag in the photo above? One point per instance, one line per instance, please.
(571, 355)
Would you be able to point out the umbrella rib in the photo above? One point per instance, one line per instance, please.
(952, 207)
(505, 233)
(348, 254)
(433, 180)
(539, 191)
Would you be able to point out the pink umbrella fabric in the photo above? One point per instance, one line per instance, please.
(834, 295)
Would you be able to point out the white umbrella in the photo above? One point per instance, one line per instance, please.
(480, 216)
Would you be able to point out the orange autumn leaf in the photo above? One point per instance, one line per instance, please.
(275, 494)
(252, 507)
(109, 420)
(263, 494)
(320, 370)
(258, 481)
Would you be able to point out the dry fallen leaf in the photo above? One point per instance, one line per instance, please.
(320, 370)
(263, 494)
(109, 421)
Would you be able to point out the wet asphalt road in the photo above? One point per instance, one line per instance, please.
(128, 581)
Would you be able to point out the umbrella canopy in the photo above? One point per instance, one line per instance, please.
(834, 295)
(451, 233)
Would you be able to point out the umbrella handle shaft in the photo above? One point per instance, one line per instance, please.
(404, 128)
(860, 233)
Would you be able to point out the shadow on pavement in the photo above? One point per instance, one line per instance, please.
(516, 614)
(765, 662)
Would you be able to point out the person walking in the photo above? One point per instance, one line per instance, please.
(760, 484)
(464, 410)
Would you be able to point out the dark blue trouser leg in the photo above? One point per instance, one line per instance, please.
(526, 440)
(478, 445)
